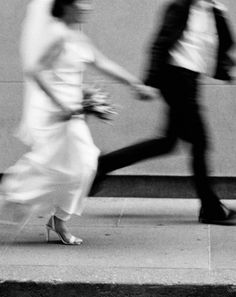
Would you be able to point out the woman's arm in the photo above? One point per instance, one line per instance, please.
(35, 70)
(113, 70)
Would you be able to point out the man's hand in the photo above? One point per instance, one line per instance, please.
(146, 92)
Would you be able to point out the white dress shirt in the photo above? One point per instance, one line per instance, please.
(196, 50)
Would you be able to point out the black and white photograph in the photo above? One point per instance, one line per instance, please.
(117, 148)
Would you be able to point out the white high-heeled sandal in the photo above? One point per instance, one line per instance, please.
(72, 240)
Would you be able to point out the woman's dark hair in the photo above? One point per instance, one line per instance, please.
(58, 7)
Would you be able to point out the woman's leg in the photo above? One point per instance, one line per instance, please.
(81, 169)
(69, 205)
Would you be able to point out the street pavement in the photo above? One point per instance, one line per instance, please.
(132, 247)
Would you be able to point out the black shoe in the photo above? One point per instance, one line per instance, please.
(222, 216)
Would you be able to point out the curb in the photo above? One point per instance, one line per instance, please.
(160, 186)
(154, 186)
(31, 289)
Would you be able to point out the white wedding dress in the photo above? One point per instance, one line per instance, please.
(63, 156)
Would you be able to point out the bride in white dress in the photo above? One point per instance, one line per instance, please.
(54, 55)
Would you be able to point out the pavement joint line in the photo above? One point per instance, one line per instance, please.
(121, 212)
(209, 248)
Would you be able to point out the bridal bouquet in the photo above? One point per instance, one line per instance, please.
(97, 102)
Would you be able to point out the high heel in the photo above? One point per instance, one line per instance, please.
(65, 237)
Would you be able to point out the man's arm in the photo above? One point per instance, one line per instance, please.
(173, 24)
(225, 61)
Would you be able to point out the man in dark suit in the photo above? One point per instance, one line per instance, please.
(193, 39)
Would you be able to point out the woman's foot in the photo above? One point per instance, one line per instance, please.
(58, 226)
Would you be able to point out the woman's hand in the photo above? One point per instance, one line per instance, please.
(63, 116)
(145, 92)
(66, 114)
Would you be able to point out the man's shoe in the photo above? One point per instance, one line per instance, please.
(223, 216)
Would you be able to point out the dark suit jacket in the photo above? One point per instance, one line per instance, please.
(173, 24)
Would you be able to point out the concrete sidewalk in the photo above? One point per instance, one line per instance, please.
(132, 247)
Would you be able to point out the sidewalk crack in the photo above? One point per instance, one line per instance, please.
(209, 248)
(121, 212)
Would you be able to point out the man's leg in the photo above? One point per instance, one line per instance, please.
(212, 210)
(131, 155)
(135, 153)
(209, 200)
(190, 126)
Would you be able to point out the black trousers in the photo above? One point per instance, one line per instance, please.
(184, 121)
